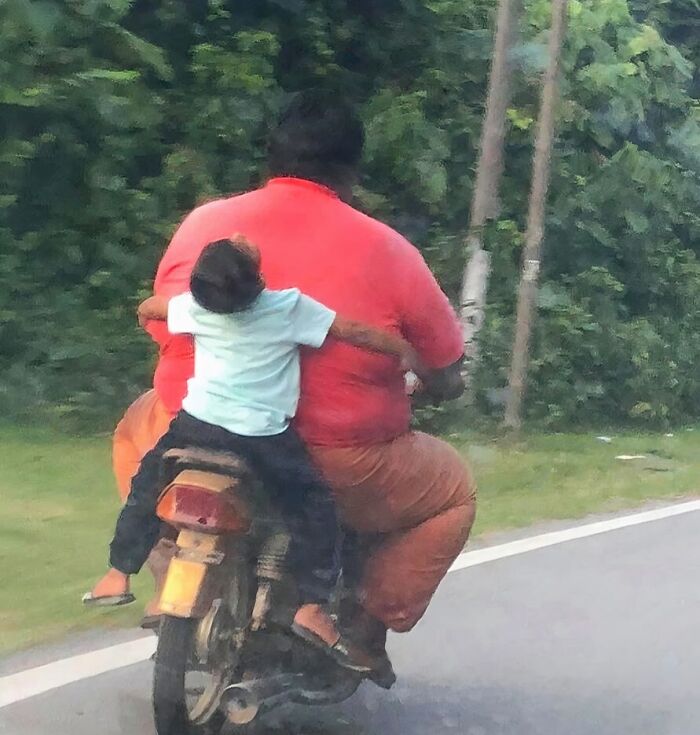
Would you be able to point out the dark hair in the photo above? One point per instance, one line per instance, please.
(319, 137)
(226, 277)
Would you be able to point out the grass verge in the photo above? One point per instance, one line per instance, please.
(59, 507)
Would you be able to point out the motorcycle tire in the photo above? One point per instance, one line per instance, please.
(175, 640)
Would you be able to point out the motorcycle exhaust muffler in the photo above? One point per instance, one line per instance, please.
(243, 702)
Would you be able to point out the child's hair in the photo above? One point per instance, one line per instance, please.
(226, 277)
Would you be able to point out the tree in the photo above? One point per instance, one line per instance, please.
(535, 218)
(486, 187)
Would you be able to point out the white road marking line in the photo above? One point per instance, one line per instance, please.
(522, 546)
(31, 682)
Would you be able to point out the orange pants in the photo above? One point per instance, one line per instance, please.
(414, 493)
(144, 422)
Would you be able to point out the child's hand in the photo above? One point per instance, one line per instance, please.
(155, 307)
(414, 385)
(143, 319)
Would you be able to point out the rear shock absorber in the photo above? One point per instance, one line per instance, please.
(272, 568)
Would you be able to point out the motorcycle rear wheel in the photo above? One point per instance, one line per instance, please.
(172, 701)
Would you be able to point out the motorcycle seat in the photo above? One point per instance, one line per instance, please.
(196, 458)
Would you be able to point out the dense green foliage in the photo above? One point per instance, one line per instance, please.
(619, 332)
(118, 116)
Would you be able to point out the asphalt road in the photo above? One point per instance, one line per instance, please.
(597, 636)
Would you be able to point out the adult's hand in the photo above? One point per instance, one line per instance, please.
(445, 384)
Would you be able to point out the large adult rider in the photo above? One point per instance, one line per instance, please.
(411, 489)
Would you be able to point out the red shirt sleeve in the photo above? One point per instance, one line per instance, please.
(176, 351)
(175, 268)
(191, 237)
(427, 318)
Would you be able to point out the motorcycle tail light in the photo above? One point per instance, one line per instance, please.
(199, 509)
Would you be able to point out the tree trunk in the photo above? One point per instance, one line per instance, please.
(485, 202)
(541, 165)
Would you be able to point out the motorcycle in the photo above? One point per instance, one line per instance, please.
(225, 652)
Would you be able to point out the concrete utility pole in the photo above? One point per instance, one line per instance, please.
(485, 201)
(541, 168)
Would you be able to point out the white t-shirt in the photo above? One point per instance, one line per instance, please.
(246, 364)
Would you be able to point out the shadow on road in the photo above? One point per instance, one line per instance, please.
(416, 709)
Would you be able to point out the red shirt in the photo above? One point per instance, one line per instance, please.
(364, 270)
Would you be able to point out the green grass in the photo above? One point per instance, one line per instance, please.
(59, 505)
(567, 476)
